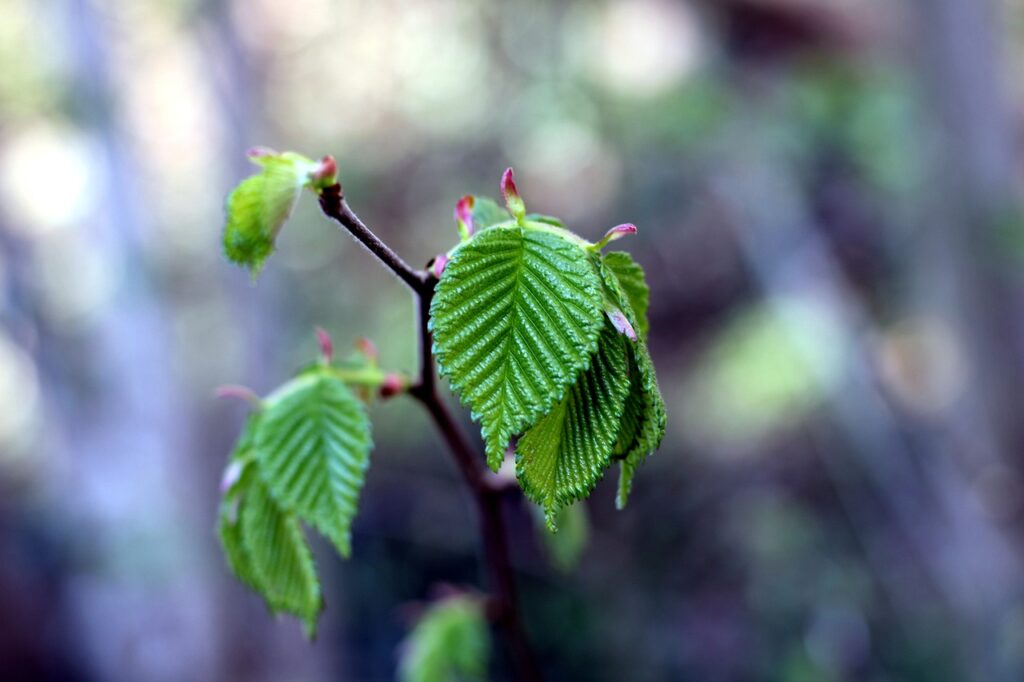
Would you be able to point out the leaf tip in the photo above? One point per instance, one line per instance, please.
(550, 515)
(621, 323)
(438, 265)
(236, 392)
(231, 476)
(255, 153)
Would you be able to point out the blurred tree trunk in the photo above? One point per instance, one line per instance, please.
(960, 279)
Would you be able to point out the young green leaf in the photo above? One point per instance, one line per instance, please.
(313, 447)
(259, 206)
(267, 550)
(516, 317)
(643, 421)
(487, 213)
(450, 642)
(630, 277)
(643, 416)
(279, 555)
(562, 457)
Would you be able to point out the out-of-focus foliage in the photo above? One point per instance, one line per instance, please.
(566, 547)
(449, 642)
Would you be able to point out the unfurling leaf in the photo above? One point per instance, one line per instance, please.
(313, 448)
(563, 456)
(630, 277)
(487, 213)
(450, 642)
(259, 206)
(643, 416)
(645, 410)
(516, 317)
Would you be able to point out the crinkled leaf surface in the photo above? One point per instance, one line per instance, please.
(643, 421)
(563, 456)
(516, 317)
(633, 284)
(259, 206)
(267, 550)
(450, 642)
(643, 417)
(313, 448)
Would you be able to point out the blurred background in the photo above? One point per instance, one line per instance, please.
(828, 196)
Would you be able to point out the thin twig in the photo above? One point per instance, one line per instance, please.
(504, 606)
(334, 206)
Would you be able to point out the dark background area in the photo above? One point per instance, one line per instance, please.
(828, 202)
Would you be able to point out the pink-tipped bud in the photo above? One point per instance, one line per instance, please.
(513, 201)
(464, 215)
(325, 173)
(392, 385)
(620, 231)
(439, 264)
(617, 232)
(238, 393)
(621, 324)
(326, 344)
(232, 473)
(368, 350)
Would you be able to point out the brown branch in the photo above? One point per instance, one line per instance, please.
(485, 488)
(334, 206)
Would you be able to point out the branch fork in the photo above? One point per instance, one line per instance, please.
(487, 489)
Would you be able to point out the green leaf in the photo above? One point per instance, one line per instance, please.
(313, 448)
(259, 206)
(547, 219)
(230, 533)
(280, 556)
(450, 642)
(516, 317)
(488, 213)
(643, 421)
(565, 547)
(643, 416)
(267, 550)
(563, 456)
(630, 277)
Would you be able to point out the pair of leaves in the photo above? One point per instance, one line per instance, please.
(449, 642)
(302, 456)
(526, 321)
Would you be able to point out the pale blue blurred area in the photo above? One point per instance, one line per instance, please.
(828, 203)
